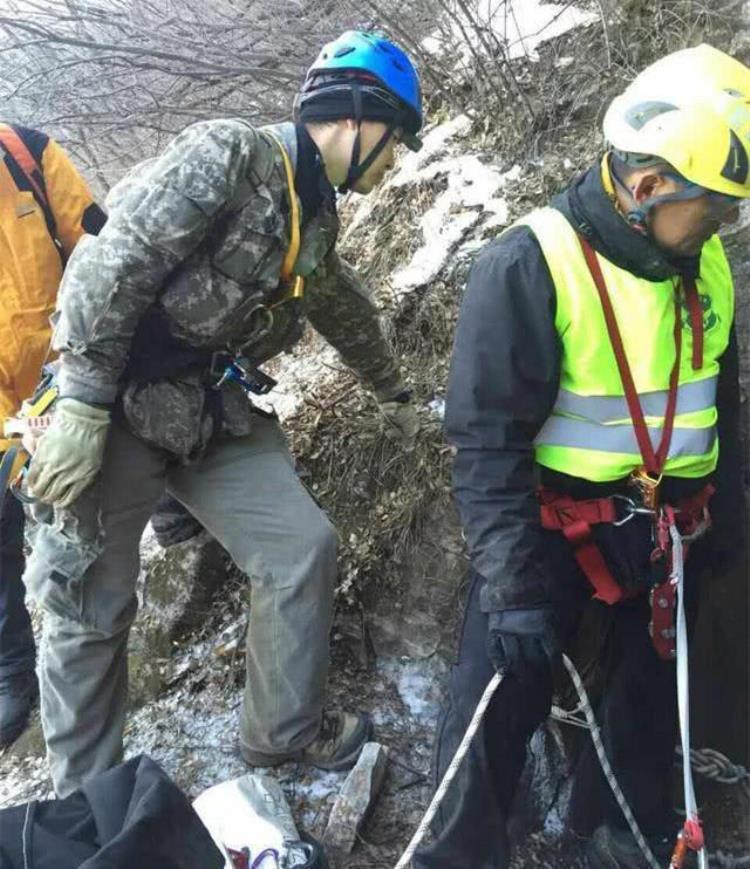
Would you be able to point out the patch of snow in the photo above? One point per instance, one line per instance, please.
(520, 27)
(324, 785)
(471, 193)
(472, 197)
(313, 793)
(26, 779)
(296, 372)
(419, 683)
(437, 406)
(554, 824)
(409, 167)
(527, 24)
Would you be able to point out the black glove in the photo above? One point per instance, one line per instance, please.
(522, 642)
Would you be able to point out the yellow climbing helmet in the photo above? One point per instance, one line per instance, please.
(690, 109)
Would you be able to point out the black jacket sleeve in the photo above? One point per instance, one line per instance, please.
(729, 536)
(503, 383)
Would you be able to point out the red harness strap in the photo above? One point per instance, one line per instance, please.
(696, 320)
(691, 517)
(574, 519)
(653, 461)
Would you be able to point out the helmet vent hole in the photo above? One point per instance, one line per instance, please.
(347, 49)
(638, 116)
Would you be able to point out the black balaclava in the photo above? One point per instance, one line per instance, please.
(310, 180)
(357, 100)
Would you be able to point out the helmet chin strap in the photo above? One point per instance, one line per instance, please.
(356, 169)
(637, 216)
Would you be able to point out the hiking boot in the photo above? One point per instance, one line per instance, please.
(614, 848)
(18, 694)
(340, 739)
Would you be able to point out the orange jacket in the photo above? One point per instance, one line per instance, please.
(31, 263)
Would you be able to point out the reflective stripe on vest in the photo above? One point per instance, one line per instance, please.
(699, 395)
(589, 433)
(563, 431)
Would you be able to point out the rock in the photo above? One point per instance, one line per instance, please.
(543, 793)
(422, 620)
(357, 796)
(175, 590)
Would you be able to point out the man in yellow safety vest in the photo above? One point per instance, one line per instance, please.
(595, 354)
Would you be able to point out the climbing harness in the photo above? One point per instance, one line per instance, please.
(294, 283)
(647, 478)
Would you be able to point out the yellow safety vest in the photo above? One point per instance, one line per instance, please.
(589, 433)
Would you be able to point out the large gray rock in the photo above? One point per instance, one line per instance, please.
(543, 793)
(175, 588)
(421, 620)
(356, 799)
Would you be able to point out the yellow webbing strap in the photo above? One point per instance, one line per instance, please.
(41, 404)
(287, 267)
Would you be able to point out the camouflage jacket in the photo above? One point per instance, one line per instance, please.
(199, 235)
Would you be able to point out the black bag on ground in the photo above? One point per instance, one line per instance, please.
(129, 817)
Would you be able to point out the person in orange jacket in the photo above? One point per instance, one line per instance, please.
(45, 208)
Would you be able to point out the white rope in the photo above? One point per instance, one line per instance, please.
(607, 767)
(683, 684)
(712, 764)
(585, 707)
(25, 834)
(440, 793)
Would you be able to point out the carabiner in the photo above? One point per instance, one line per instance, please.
(259, 325)
(631, 510)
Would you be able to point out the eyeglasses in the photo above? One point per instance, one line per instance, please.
(719, 204)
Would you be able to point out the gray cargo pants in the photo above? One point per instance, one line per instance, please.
(83, 571)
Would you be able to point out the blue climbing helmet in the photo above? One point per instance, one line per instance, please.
(364, 76)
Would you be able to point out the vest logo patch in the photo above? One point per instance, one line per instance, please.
(710, 318)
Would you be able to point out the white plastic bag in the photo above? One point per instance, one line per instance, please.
(251, 823)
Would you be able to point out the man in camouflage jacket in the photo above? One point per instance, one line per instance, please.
(184, 278)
